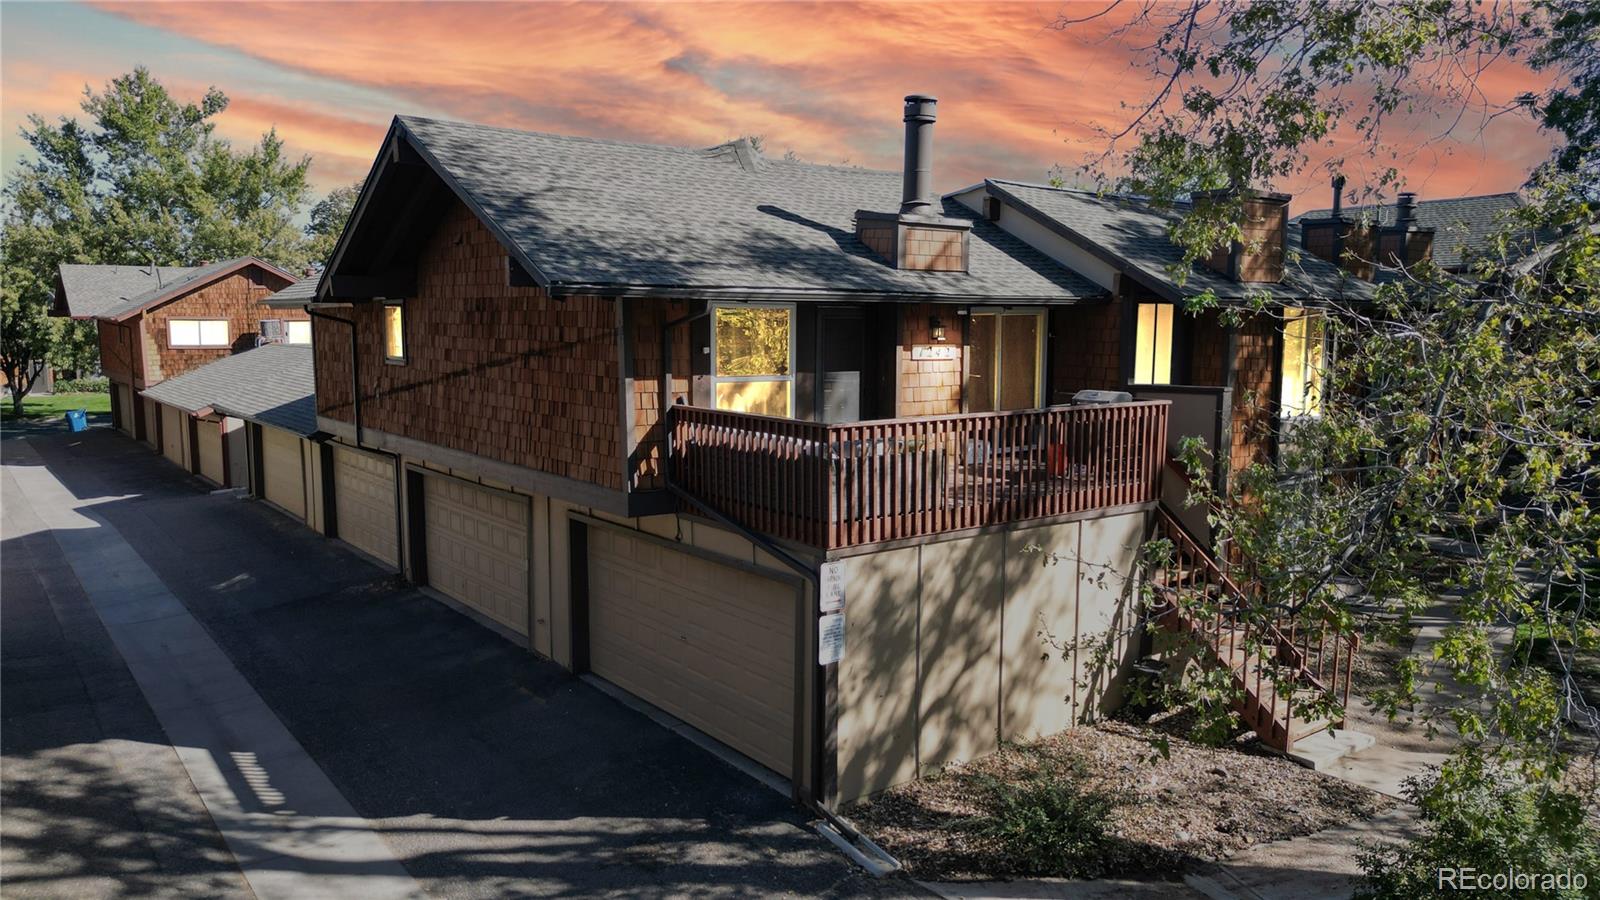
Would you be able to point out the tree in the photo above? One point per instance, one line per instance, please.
(328, 218)
(1456, 462)
(143, 182)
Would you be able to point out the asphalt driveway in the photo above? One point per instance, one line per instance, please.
(484, 771)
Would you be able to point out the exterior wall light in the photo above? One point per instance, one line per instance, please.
(936, 328)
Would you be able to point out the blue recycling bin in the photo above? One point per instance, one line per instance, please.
(78, 419)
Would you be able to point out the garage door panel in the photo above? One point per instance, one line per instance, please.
(208, 439)
(283, 470)
(364, 502)
(477, 548)
(711, 644)
(172, 434)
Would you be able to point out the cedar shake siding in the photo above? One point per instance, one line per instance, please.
(501, 372)
(928, 387)
(117, 344)
(1210, 348)
(1254, 378)
(236, 298)
(1086, 349)
(645, 468)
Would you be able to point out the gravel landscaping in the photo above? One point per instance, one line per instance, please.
(1197, 804)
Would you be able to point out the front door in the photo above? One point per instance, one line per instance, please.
(841, 364)
(1005, 360)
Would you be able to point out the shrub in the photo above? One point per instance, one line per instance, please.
(1045, 824)
(83, 386)
(1479, 814)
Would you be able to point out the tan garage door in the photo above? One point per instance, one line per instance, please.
(363, 502)
(477, 546)
(209, 439)
(151, 413)
(125, 407)
(283, 470)
(711, 644)
(173, 438)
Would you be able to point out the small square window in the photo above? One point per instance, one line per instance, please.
(298, 332)
(394, 333)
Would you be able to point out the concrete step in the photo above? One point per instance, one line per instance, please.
(1323, 749)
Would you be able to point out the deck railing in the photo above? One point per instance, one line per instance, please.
(835, 486)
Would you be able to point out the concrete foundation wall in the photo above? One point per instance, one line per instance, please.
(953, 647)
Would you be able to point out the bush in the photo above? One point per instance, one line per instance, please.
(1476, 813)
(83, 386)
(1046, 825)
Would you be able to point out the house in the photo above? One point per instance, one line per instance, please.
(249, 420)
(1449, 231)
(156, 322)
(783, 448)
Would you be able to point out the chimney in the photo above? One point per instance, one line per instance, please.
(1265, 222)
(1338, 197)
(916, 193)
(917, 237)
(1405, 209)
(1404, 243)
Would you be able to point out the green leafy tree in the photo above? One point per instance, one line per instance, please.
(1453, 466)
(328, 218)
(143, 181)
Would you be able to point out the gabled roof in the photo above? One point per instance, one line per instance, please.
(84, 291)
(605, 217)
(295, 295)
(120, 292)
(272, 384)
(1462, 225)
(1131, 235)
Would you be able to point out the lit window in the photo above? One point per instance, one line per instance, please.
(1152, 349)
(197, 333)
(394, 333)
(1304, 359)
(753, 353)
(298, 332)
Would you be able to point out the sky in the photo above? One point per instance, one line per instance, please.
(1017, 98)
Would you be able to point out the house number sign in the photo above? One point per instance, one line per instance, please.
(830, 639)
(935, 351)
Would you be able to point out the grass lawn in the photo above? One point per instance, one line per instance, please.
(55, 406)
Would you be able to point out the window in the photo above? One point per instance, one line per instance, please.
(1005, 353)
(394, 333)
(197, 333)
(1152, 347)
(297, 332)
(752, 350)
(1304, 358)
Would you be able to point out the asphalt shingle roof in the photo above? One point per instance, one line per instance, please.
(1462, 225)
(272, 384)
(298, 294)
(1134, 235)
(91, 291)
(612, 214)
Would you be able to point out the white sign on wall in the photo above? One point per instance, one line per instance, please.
(935, 351)
(831, 590)
(830, 639)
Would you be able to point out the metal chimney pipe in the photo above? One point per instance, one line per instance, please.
(1405, 212)
(916, 197)
(1338, 195)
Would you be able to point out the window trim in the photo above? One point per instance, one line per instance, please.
(794, 328)
(199, 331)
(405, 334)
(1041, 345)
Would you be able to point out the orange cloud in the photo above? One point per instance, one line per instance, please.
(822, 79)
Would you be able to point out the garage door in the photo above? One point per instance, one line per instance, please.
(173, 438)
(208, 439)
(151, 410)
(364, 505)
(282, 470)
(477, 548)
(711, 644)
(124, 408)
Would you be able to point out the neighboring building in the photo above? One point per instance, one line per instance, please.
(650, 409)
(248, 420)
(1449, 231)
(158, 322)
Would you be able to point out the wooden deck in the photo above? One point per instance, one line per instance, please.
(837, 486)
